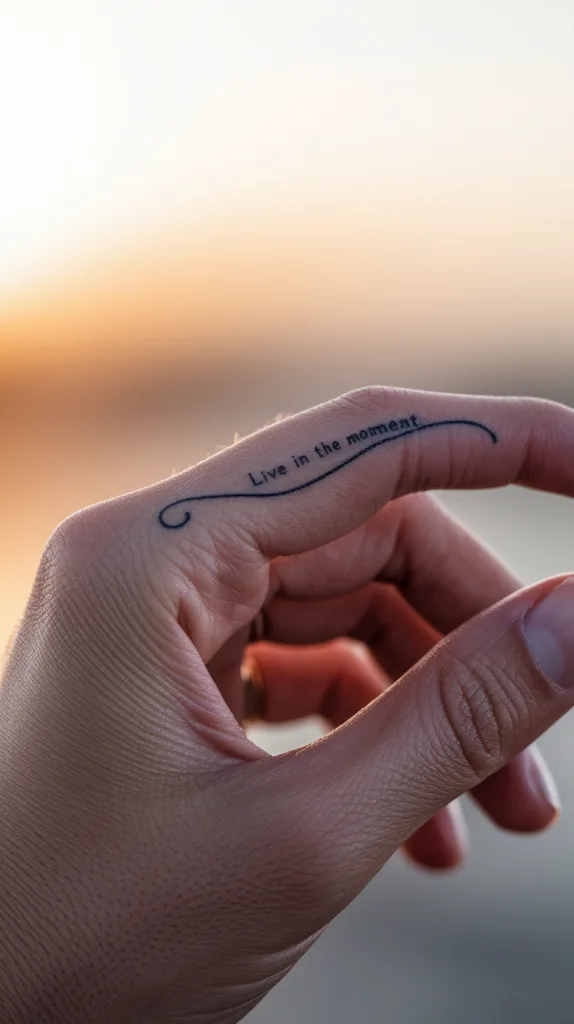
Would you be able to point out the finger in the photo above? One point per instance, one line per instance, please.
(442, 842)
(477, 700)
(521, 797)
(440, 567)
(201, 575)
(222, 522)
(316, 476)
(335, 681)
(376, 615)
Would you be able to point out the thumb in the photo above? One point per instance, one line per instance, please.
(475, 701)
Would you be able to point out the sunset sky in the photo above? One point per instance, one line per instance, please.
(122, 118)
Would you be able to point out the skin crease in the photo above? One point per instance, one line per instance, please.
(155, 864)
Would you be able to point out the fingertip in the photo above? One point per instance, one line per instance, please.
(434, 865)
(442, 843)
(541, 782)
(538, 822)
(553, 820)
(522, 796)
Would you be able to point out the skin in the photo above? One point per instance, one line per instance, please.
(155, 864)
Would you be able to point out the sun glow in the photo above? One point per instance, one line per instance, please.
(214, 169)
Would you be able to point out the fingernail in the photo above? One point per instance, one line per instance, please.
(549, 633)
(540, 780)
(459, 827)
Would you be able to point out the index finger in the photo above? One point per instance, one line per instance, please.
(308, 480)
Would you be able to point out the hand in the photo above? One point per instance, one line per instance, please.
(155, 864)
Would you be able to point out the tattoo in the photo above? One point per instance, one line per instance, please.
(391, 430)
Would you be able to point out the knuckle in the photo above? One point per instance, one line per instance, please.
(545, 419)
(304, 845)
(64, 580)
(79, 537)
(356, 656)
(92, 577)
(543, 407)
(413, 510)
(350, 660)
(366, 400)
(485, 711)
(85, 549)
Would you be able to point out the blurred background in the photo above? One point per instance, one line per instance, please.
(215, 212)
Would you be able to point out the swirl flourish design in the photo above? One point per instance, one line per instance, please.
(186, 516)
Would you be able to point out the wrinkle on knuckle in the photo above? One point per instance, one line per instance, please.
(482, 711)
(423, 466)
(544, 418)
(410, 472)
(369, 400)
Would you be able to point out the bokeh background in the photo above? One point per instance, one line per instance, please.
(214, 212)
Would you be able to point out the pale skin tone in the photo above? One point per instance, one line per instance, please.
(155, 864)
